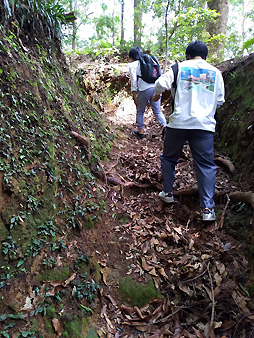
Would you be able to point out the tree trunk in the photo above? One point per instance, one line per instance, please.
(137, 22)
(166, 28)
(73, 7)
(122, 25)
(218, 27)
(243, 21)
(113, 28)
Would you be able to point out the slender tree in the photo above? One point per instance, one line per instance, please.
(173, 28)
(184, 20)
(73, 7)
(166, 29)
(137, 22)
(219, 26)
(113, 25)
(122, 22)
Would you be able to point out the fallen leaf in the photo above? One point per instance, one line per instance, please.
(241, 301)
(56, 325)
(15, 334)
(139, 313)
(126, 309)
(188, 335)
(103, 310)
(218, 279)
(28, 305)
(153, 272)
(105, 273)
(221, 267)
(111, 299)
(186, 289)
(209, 292)
(58, 261)
(191, 243)
(70, 279)
(144, 264)
(108, 321)
(142, 328)
(162, 272)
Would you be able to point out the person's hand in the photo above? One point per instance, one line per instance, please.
(156, 97)
(134, 96)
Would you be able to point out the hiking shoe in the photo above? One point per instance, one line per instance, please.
(138, 135)
(208, 214)
(166, 197)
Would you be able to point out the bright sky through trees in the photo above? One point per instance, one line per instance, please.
(86, 31)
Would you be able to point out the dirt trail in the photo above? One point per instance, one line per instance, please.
(198, 269)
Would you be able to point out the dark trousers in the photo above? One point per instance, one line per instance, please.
(201, 145)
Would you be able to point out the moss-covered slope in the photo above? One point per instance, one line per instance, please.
(45, 174)
(47, 187)
(237, 116)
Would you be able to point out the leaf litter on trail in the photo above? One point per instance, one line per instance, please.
(197, 269)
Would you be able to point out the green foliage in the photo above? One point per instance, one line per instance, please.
(104, 24)
(248, 45)
(87, 290)
(74, 328)
(9, 248)
(137, 294)
(54, 274)
(92, 333)
(36, 14)
(187, 25)
(51, 311)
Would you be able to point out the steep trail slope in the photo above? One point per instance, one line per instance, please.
(85, 243)
(199, 270)
(74, 226)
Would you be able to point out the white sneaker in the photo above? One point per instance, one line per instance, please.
(166, 197)
(208, 214)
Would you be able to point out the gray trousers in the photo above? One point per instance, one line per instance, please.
(143, 98)
(201, 145)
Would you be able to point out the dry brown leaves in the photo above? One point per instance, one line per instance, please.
(198, 269)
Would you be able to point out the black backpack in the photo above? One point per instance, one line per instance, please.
(175, 68)
(150, 68)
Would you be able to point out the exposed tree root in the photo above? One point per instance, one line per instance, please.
(85, 141)
(128, 187)
(226, 163)
(246, 197)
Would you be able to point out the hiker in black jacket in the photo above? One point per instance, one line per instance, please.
(142, 92)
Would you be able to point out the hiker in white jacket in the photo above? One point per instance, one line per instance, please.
(199, 91)
(142, 93)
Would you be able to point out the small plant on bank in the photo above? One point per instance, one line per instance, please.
(87, 290)
(50, 263)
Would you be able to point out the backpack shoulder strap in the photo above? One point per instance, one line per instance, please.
(155, 59)
(175, 69)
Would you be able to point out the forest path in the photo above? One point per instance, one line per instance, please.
(198, 269)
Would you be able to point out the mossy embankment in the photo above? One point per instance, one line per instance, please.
(237, 117)
(45, 172)
(48, 191)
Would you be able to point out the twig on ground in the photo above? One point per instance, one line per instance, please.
(213, 302)
(192, 279)
(224, 212)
